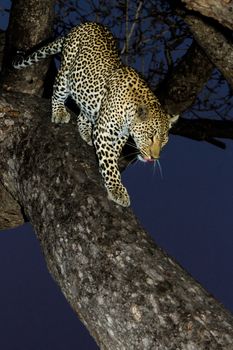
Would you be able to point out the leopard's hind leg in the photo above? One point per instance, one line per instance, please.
(85, 128)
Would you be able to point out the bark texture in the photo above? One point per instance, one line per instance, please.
(220, 10)
(126, 290)
(10, 211)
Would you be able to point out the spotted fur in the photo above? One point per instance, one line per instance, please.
(115, 102)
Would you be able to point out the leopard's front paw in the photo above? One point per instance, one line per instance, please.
(119, 195)
(60, 116)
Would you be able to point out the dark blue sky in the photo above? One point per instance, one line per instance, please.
(189, 214)
(189, 211)
(34, 314)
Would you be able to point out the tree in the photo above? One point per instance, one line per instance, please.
(115, 278)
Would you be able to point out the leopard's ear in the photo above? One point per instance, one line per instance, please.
(173, 119)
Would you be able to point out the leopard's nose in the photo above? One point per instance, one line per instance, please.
(155, 155)
(155, 148)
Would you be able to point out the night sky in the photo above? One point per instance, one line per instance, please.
(188, 211)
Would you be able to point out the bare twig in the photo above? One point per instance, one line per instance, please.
(129, 35)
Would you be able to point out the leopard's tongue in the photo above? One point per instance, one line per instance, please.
(149, 160)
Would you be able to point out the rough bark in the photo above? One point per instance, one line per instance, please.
(222, 10)
(10, 211)
(126, 290)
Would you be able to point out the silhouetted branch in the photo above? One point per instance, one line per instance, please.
(205, 130)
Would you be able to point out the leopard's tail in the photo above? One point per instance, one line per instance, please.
(22, 61)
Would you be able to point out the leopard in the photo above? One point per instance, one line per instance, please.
(114, 100)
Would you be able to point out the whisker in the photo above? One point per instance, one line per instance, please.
(160, 168)
(131, 144)
(132, 160)
(136, 161)
(154, 164)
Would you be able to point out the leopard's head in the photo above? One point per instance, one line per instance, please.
(149, 129)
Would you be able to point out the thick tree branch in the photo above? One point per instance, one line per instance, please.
(179, 91)
(205, 130)
(215, 41)
(126, 290)
(222, 11)
(182, 85)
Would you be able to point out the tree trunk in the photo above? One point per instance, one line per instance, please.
(31, 22)
(125, 289)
